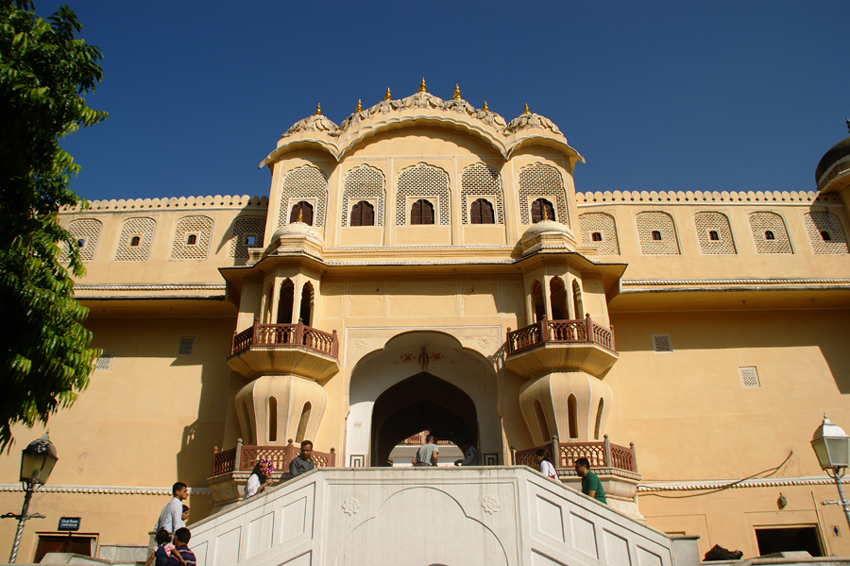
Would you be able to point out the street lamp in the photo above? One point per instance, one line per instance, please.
(832, 448)
(37, 462)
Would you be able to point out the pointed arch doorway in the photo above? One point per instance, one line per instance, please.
(420, 402)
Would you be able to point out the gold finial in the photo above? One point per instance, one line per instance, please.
(456, 95)
(422, 87)
(359, 106)
(486, 109)
(319, 109)
(388, 96)
(526, 111)
(301, 215)
(545, 214)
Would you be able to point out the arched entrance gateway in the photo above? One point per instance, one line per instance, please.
(421, 380)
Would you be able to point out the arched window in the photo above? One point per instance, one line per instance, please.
(268, 307)
(578, 304)
(656, 235)
(572, 416)
(769, 235)
(284, 306)
(542, 209)
(596, 236)
(713, 236)
(597, 429)
(825, 236)
(272, 419)
(537, 301)
(558, 298)
(191, 239)
(135, 241)
(362, 214)
(302, 423)
(306, 303)
(481, 212)
(541, 421)
(422, 212)
(304, 211)
(246, 416)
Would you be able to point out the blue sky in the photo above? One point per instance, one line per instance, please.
(685, 95)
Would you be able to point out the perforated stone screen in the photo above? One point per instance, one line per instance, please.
(604, 224)
(104, 362)
(142, 227)
(201, 228)
(480, 180)
(818, 222)
(363, 183)
(243, 227)
(88, 230)
(661, 343)
(710, 224)
(749, 376)
(661, 222)
(540, 180)
(186, 346)
(423, 181)
(762, 223)
(299, 184)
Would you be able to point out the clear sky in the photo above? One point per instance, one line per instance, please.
(677, 95)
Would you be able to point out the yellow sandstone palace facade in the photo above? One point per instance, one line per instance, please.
(429, 265)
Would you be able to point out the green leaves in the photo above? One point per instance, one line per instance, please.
(43, 72)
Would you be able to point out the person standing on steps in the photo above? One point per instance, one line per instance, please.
(302, 463)
(171, 517)
(590, 484)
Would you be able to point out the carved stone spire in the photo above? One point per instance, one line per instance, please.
(456, 95)
(388, 96)
(319, 109)
(359, 106)
(526, 111)
(486, 109)
(422, 87)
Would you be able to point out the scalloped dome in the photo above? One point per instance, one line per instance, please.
(294, 229)
(836, 152)
(545, 226)
(314, 123)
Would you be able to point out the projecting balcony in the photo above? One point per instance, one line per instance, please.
(561, 345)
(231, 468)
(285, 348)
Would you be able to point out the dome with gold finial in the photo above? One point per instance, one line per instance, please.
(529, 119)
(835, 164)
(314, 123)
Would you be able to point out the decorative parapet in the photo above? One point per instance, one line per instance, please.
(199, 202)
(696, 197)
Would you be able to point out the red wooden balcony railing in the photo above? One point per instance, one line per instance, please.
(280, 456)
(560, 332)
(599, 454)
(286, 335)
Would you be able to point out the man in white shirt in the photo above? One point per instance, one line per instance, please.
(171, 517)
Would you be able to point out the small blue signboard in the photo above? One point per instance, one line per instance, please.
(69, 524)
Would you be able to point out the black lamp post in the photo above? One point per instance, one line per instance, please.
(37, 462)
(832, 448)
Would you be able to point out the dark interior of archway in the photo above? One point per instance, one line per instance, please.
(421, 402)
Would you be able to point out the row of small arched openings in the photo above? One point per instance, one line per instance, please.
(286, 303)
(271, 411)
(572, 419)
(558, 298)
(481, 211)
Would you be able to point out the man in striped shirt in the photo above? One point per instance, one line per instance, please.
(181, 555)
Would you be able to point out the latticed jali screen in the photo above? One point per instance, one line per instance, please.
(198, 226)
(480, 180)
(662, 223)
(710, 224)
(539, 180)
(141, 227)
(604, 225)
(243, 227)
(817, 222)
(87, 230)
(304, 183)
(363, 183)
(427, 182)
(767, 224)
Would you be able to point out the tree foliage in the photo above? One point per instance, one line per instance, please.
(44, 69)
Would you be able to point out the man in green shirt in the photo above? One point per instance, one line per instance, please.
(590, 484)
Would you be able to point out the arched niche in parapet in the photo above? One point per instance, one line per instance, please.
(714, 233)
(825, 233)
(85, 232)
(599, 230)
(657, 233)
(305, 184)
(364, 185)
(246, 232)
(423, 182)
(769, 233)
(481, 185)
(136, 239)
